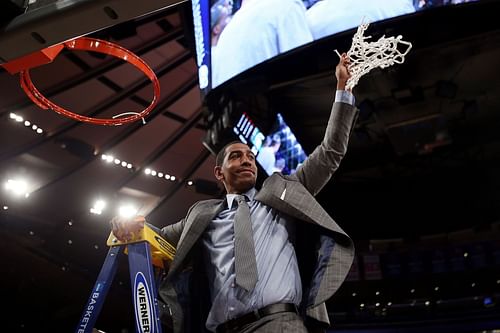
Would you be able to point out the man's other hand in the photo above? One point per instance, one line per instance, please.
(124, 227)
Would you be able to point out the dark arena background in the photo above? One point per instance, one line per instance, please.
(418, 191)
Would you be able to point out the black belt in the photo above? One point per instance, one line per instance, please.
(237, 323)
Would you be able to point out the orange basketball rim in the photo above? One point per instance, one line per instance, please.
(24, 64)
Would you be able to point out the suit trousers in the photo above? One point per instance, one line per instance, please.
(286, 322)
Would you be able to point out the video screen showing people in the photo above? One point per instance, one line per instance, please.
(280, 151)
(245, 33)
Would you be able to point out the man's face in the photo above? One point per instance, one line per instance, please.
(238, 171)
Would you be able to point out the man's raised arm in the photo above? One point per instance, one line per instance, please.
(318, 168)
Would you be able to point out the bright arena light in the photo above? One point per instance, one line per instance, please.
(16, 117)
(99, 206)
(16, 186)
(127, 211)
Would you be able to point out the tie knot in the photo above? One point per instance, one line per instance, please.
(240, 199)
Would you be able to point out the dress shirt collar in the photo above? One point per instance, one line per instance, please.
(249, 195)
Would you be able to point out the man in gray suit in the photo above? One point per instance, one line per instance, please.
(296, 257)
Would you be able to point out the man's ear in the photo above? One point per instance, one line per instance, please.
(218, 173)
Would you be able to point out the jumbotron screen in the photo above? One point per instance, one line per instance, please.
(235, 35)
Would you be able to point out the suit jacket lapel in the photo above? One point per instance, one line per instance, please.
(291, 197)
(196, 224)
(286, 194)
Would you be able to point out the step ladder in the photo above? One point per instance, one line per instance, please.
(147, 248)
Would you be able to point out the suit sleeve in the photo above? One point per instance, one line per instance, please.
(172, 232)
(319, 167)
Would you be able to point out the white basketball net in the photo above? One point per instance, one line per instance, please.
(365, 56)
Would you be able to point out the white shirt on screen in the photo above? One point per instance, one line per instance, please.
(259, 30)
(328, 17)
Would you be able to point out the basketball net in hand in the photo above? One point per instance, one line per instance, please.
(365, 56)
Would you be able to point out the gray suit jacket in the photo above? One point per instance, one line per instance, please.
(328, 245)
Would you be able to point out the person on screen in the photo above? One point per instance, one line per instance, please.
(220, 15)
(296, 256)
(258, 30)
(280, 165)
(424, 4)
(327, 17)
(267, 154)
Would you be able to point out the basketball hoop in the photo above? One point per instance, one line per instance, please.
(84, 44)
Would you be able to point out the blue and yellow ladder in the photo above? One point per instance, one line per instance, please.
(146, 248)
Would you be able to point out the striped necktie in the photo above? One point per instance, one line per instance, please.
(245, 265)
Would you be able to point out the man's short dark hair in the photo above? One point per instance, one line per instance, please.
(222, 153)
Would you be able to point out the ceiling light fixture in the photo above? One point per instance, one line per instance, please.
(28, 124)
(127, 211)
(17, 187)
(159, 174)
(116, 161)
(98, 207)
